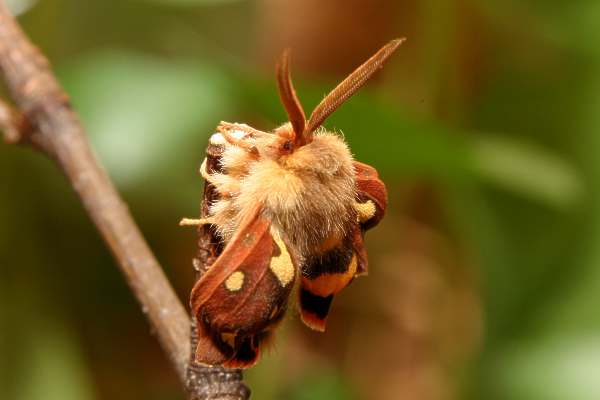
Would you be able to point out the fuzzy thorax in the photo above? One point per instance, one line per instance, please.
(308, 194)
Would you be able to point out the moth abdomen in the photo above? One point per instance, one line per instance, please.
(323, 276)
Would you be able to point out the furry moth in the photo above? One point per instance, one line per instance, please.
(291, 211)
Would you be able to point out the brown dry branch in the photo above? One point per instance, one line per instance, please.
(46, 121)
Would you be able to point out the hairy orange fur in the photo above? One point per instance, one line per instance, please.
(308, 193)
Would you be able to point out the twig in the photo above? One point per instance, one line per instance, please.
(47, 122)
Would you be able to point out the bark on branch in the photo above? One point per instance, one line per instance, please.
(45, 119)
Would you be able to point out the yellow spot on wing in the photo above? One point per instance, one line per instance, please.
(365, 210)
(235, 281)
(281, 265)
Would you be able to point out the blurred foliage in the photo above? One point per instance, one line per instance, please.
(484, 275)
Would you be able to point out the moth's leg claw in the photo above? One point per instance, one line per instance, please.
(229, 126)
(239, 142)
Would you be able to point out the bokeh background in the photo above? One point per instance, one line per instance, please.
(485, 275)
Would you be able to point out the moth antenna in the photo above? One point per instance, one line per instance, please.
(350, 85)
(288, 96)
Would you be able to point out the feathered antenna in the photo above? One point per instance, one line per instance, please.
(348, 87)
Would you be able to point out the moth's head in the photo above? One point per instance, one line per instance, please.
(299, 131)
(278, 144)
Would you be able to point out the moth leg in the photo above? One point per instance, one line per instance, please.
(215, 179)
(195, 222)
(238, 141)
(225, 185)
(204, 173)
(229, 126)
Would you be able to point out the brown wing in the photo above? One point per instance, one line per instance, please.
(238, 301)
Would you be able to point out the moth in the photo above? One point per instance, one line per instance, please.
(292, 210)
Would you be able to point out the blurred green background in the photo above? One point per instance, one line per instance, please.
(484, 279)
